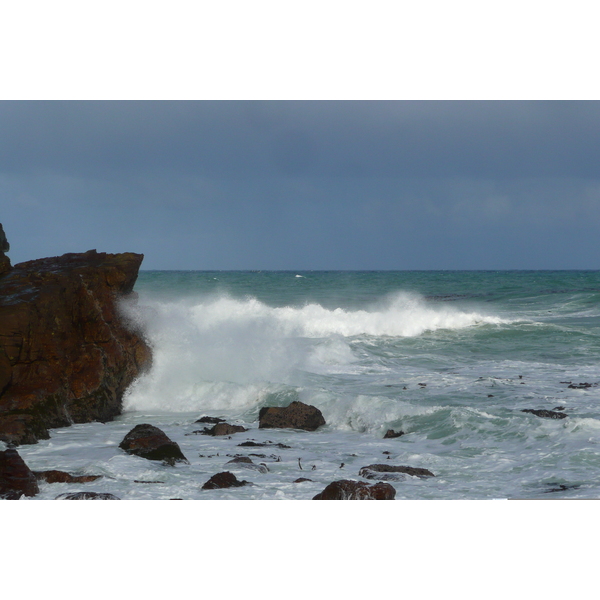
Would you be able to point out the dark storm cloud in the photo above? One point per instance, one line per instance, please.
(321, 185)
(256, 139)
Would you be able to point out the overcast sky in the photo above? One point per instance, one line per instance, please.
(305, 185)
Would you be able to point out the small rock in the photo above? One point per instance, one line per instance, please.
(581, 386)
(151, 443)
(213, 420)
(87, 496)
(548, 414)
(223, 480)
(16, 478)
(257, 444)
(295, 416)
(345, 489)
(390, 433)
(301, 479)
(246, 463)
(54, 476)
(224, 429)
(393, 473)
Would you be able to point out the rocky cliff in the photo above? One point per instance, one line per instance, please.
(66, 354)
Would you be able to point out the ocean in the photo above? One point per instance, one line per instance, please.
(450, 358)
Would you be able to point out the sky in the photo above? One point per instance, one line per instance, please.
(305, 184)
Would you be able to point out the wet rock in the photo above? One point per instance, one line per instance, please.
(54, 476)
(392, 472)
(246, 463)
(581, 386)
(213, 420)
(224, 429)
(259, 444)
(390, 433)
(295, 416)
(223, 480)
(561, 487)
(67, 355)
(301, 479)
(87, 496)
(345, 489)
(547, 414)
(16, 478)
(150, 442)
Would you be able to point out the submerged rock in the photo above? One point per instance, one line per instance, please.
(390, 433)
(212, 420)
(54, 476)
(16, 478)
(346, 489)
(547, 414)
(87, 496)
(295, 416)
(224, 429)
(246, 463)
(152, 443)
(223, 480)
(392, 472)
(263, 444)
(66, 354)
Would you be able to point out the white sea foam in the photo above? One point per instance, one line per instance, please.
(224, 352)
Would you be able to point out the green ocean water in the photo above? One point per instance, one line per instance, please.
(451, 358)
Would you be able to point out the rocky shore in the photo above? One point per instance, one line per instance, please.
(66, 354)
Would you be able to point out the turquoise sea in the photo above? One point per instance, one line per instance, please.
(451, 358)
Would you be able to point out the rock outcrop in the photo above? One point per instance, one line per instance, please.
(224, 429)
(16, 478)
(393, 473)
(4, 247)
(152, 443)
(346, 489)
(54, 476)
(390, 434)
(545, 414)
(295, 416)
(66, 354)
(246, 463)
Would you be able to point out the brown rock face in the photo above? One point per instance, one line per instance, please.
(224, 429)
(295, 416)
(152, 443)
(345, 489)
(54, 476)
(66, 355)
(16, 478)
(223, 480)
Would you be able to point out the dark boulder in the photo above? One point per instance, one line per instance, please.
(295, 416)
(390, 433)
(67, 354)
(393, 473)
(547, 414)
(263, 444)
(224, 429)
(16, 478)
(87, 496)
(54, 476)
(223, 480)
(150, 442)
(345, 489)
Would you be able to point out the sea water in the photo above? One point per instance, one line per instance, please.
(450, 358)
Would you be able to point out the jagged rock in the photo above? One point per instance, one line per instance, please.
(548, 414)
(345, 489)
(393, 473)
(87, 496)
(390, 433)
(4, 247)
(224, 429)
(223, 480)
(54, 476)
(66, 353)
(246, 463)
(212, 420)
(16, 478)
(295, 416)
(152, 443)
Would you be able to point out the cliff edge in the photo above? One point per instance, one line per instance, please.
(66, 355)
